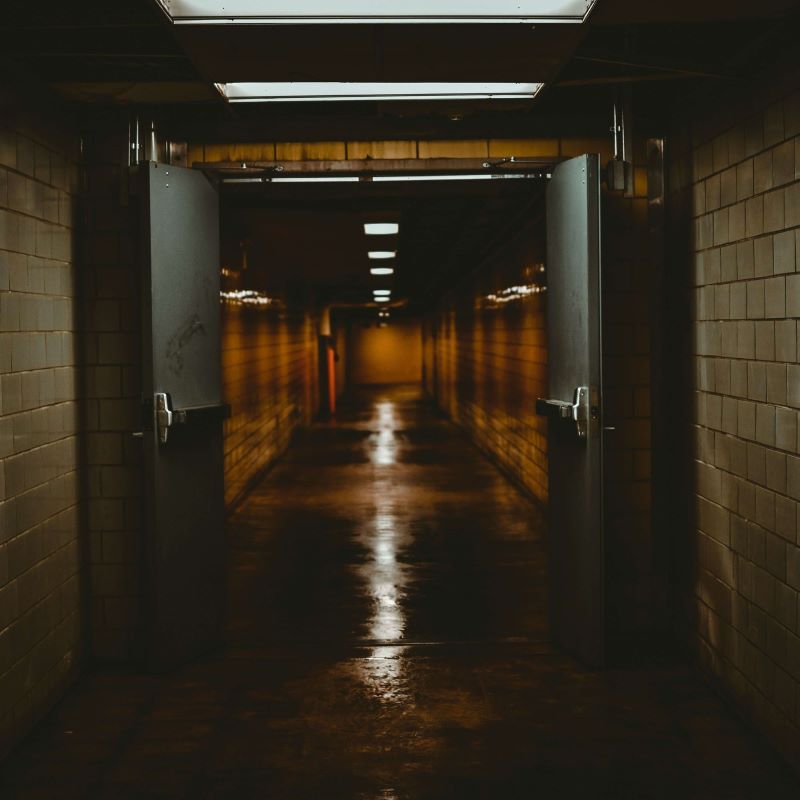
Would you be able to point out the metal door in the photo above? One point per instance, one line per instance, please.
(183, 410)
(574, 408)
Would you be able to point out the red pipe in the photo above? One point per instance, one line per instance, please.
(332, 380)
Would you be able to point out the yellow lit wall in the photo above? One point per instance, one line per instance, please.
(385, 355)
(269, 374)
(486, 358)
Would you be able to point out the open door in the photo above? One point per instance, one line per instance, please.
(574, 407)
(183, 414)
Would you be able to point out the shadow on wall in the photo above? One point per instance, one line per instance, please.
(45, 541)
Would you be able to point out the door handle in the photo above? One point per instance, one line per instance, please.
(164, 415)
(576, 412)
(168, 417)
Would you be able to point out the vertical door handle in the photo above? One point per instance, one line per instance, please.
(576, 412)
(164, 415)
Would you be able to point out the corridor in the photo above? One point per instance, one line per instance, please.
(387, 639)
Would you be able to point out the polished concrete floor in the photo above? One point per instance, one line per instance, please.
(387, 640)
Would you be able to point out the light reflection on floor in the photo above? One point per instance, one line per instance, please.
(383, 670)
(384, 453)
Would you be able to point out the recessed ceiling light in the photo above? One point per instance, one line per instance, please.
(381, 292)
(381, 271)
(366, 180)
(288, 12)
(303, 179)
(381, 228)
(382, 299)
(321, 179)
(310, 91)
(451, 177)
(380, 255)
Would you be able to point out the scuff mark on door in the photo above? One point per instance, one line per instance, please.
(178, 341)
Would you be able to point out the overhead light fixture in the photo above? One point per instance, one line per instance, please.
(349, 12)
(368, 179)
(382, 255)
(310, 91)
(305, 179)
(381, 292)
(382, 299)
(381, 228)
(381, 271)
(320, 179)
(452, 177)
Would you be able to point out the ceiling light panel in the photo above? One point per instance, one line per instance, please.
(368, 179)
(317, 179)
(381, 271)
(292, 12)
(381, 228)
(381, 255)
(312, 91)
(454, 177)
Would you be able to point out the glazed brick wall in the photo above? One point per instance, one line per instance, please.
(111, 336)
(737, 171)
(41, 622)
(632, 569)
(269, 374)
(486, 361)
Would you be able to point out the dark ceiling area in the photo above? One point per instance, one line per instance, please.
(127, 52)
(311, 238)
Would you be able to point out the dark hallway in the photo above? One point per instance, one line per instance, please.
(387, 639)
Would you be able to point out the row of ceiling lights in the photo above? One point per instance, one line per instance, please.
(382, 229)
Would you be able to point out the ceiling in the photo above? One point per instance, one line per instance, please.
(126, 52)
(311, 238)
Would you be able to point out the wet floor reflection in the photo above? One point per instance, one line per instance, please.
(385, 575)
(384, 675)
(384, 444)
(386, 578)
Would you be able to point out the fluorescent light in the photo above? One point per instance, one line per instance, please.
(382, 299)
(381, 228)
(289, 12)
(307, 179)
(381, 292)
(321, 179)
(382, 255)
(390, 179)
(453, 177)
(311, 91)
(381, 271)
